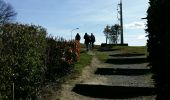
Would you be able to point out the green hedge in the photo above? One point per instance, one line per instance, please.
(22, 57)
(158, 20)
(60, 59)
(28, 58)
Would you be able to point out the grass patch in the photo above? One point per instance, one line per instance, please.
(132, 49)
(85, 59)
(102, 56)
(124, 50)
(52, 89)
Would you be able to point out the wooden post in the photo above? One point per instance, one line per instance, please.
(13, 90)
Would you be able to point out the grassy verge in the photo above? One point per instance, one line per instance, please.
(85, 59)
(132, 49)
(52, 90)
(125, 50)
(102, 56)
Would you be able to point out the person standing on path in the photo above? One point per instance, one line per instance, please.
(92, 40)
(77, 37)
(87, 41)
(77, 42)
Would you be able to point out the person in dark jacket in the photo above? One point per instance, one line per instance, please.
(77, 37)
(92, 40)
(87, 41)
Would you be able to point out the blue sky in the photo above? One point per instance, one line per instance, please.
(60, 17)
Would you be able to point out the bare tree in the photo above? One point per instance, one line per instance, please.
(7, 13)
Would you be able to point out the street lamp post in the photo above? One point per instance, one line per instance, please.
(72, 31)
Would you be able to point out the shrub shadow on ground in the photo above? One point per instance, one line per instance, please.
(83, 51)
(107, 49)
(127, 55)
(122, 61)
(112, 92)
(122, 71)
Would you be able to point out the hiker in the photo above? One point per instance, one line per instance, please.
(92, 40)
(87, 41)
(77, 37)
(77, 44)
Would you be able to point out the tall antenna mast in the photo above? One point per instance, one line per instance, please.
(121, 22)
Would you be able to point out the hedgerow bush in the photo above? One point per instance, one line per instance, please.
(60, 57)
(28, 58)
(22, 56)
(158, 20)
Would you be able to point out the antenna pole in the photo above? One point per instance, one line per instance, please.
(121, 22)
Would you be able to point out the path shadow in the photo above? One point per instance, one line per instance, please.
(121, 61)
(107, 49)
(112, 92)
(122, 71)
(127, 55)
(83, 51)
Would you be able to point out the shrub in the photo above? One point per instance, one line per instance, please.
(158, 20)
(22, 56)
(60, 57)
(28, 58)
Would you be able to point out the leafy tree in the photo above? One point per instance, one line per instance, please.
(114, 33)
(7, 13)
(106, 32)
(158, 20)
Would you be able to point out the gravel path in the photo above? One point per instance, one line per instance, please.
(88, 77)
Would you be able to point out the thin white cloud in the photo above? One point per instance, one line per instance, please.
(97, 18)
(135, 25)
(141, 37)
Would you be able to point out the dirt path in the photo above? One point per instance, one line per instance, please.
(87, 74)
(89, 77)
